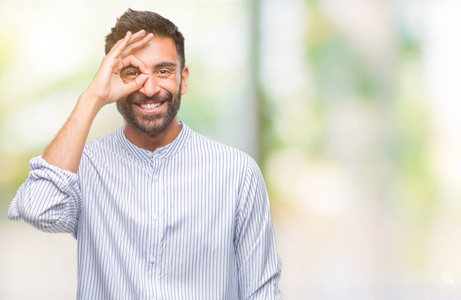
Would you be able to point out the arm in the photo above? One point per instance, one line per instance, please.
(66, 149)
(50, 198)
(259, 267)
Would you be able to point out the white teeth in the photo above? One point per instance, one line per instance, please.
(150, 105)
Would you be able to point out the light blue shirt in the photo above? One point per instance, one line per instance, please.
(188, 221)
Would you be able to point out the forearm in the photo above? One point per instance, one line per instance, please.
(65, 151)
(49, 199)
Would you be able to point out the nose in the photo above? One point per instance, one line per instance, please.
(150, 87)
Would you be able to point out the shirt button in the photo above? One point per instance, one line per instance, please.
(154, 217)
(156, 177)
(152, 260)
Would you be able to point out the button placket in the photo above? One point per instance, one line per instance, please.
(157, 164)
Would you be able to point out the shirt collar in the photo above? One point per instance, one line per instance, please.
(159, 153)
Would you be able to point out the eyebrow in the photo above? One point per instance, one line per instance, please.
(165, 64)
(159, 65)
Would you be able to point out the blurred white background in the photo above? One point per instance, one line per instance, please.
(350, 106)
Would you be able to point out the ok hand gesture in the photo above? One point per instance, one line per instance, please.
(107, 86)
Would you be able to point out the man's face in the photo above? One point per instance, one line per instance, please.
(153, 108)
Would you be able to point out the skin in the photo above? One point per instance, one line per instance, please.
(165, 78)
(136, 51)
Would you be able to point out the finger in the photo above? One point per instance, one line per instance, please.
(118, 68)
(138, 35)
(130, 37)
(131, 60)
(137, 44)
(120, 45)
(136, 84)
(117, 43)
(127, 40)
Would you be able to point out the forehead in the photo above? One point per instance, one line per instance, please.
(158, 50)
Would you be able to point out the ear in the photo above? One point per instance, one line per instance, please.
(184, 77)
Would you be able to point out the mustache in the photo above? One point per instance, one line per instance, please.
(140, 98)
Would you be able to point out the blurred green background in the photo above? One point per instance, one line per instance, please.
(350, 107)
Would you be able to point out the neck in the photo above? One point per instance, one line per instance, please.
(152, 142)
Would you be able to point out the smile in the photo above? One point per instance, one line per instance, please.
(150, 107)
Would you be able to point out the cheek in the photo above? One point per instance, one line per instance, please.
(171, 86)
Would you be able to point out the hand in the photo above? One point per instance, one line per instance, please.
(107, 86)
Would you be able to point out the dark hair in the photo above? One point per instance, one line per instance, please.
(151, 22)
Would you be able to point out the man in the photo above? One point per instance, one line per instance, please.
(159, 211)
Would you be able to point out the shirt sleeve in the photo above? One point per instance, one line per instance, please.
(49, 199)
(259, 266)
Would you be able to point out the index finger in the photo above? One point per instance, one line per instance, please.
(115, 50)
(127, 40)
(131, 60)
(135, 44)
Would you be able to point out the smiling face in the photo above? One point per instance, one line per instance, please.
(152, 109)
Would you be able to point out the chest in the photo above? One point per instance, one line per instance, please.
(187, 200)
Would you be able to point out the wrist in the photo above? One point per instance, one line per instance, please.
(90, 103)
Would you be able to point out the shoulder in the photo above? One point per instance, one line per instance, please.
(106, 143)
(215, 150)
(101, 147)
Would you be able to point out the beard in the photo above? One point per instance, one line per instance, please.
(150, 124)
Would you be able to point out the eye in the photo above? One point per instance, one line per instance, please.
(164, 72)
(131, 73)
